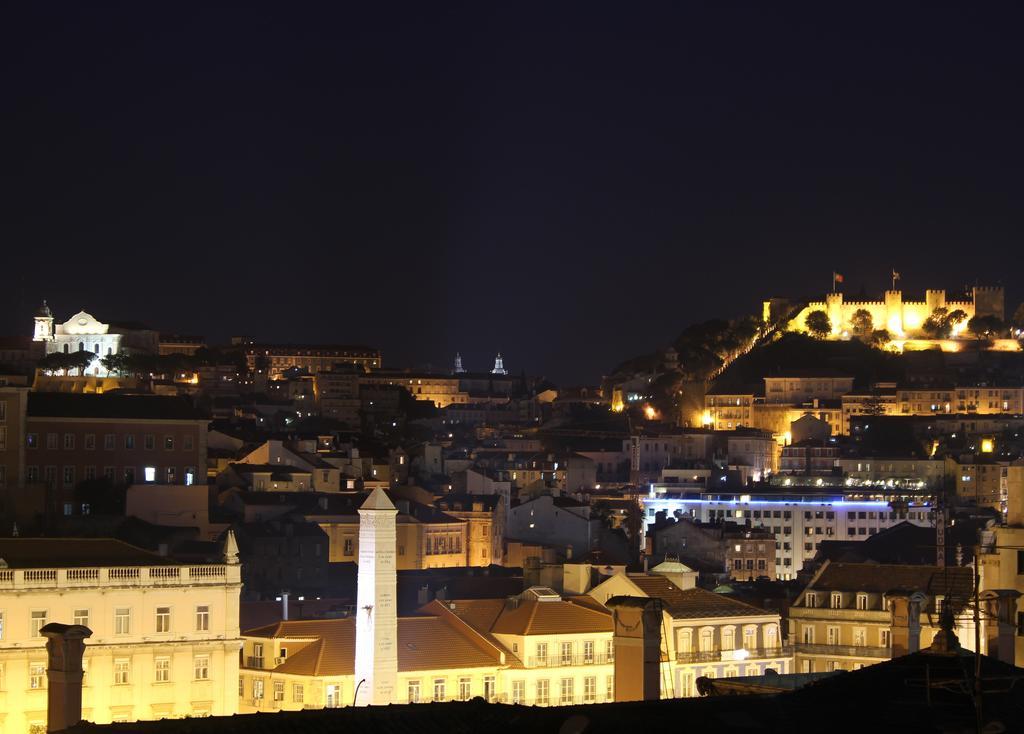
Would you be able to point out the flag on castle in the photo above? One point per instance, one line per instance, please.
(836, 278)
(895, 277)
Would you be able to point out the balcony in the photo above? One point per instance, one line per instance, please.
(56, 578)
(565, 661)
(855, 615)
(853, 651)
(254, 662)
(729, 656)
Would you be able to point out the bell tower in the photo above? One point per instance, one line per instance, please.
(43, 324)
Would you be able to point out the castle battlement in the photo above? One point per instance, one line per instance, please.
(901, 318)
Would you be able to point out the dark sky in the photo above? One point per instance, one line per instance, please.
(569, 183)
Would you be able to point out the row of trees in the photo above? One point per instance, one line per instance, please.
(939, 325)
(861, 324)
(141, 365)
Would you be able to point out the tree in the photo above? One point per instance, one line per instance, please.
(941, 323)
(985, 327)
(1018, 317)
(818, 324)
(80, 361)
(862, 324)
(880, 337)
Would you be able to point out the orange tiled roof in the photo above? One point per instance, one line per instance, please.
(424, 643)
(692, 603)
(551, 618)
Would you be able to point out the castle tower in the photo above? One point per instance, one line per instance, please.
(43, 324)
(834, 306)
(934, 299)
(459, 369)
(894, 312)
(989, 301)
(499, 366)
(376, 666)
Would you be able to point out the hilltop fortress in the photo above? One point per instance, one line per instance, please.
(902, 319)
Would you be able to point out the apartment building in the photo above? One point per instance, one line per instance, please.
(165, 635)
(799, 519)
(705, 634)
(857, 614)
(127, 438)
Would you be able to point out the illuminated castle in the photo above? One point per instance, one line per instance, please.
(901, 318)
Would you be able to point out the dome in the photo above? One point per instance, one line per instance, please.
(44, 310)
(671, 567)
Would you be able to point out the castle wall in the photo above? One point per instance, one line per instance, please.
(901, 318)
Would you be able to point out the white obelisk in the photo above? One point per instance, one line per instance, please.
(376, 612)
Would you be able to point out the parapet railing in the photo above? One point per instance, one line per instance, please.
(28, 578)
(729, 656)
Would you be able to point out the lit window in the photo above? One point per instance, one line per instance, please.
(201, 667)
(149, 473)
(163, 670)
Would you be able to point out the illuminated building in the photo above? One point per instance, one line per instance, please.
(1001, 564)
(84, 333)
(499, 366)
(313, 358)
(799, 519)
(164, 641)
(857, 614)
(900, 318)
(485, 528)
(704, 633)
(441, 390)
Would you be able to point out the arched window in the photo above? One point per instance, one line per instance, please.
(686, 641)
(108, 351)
(81, 346)
(96, 348)
(65, 349)
(707, 639)
(728, 638)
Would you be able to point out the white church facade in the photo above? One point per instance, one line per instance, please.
(83, 332)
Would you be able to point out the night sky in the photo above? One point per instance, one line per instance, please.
(571, 184)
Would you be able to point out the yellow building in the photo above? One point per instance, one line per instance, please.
(1001, 561)
(900, 318)
(704, 633)
(427, 538)
(846, 617)
(164, 641)
(538, 649)
(441, 390)
(986, 482)
(485, 525)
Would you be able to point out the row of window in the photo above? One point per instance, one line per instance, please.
(123, 671)
(832, 636)
(53, 441)
(149, 474)
(122, 620)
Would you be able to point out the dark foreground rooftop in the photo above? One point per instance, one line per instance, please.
(926, 692)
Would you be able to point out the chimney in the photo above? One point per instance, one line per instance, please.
(637, 640)
(999, 623)
(905, 624)
(65, 645)
(284, 605)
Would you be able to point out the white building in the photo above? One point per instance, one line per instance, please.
(84, 333)
(799, 521)
(165, 636)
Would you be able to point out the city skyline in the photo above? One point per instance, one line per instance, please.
(567, 187)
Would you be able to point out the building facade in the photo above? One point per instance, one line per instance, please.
(165, 636)
(856, 614)
(127, 439)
